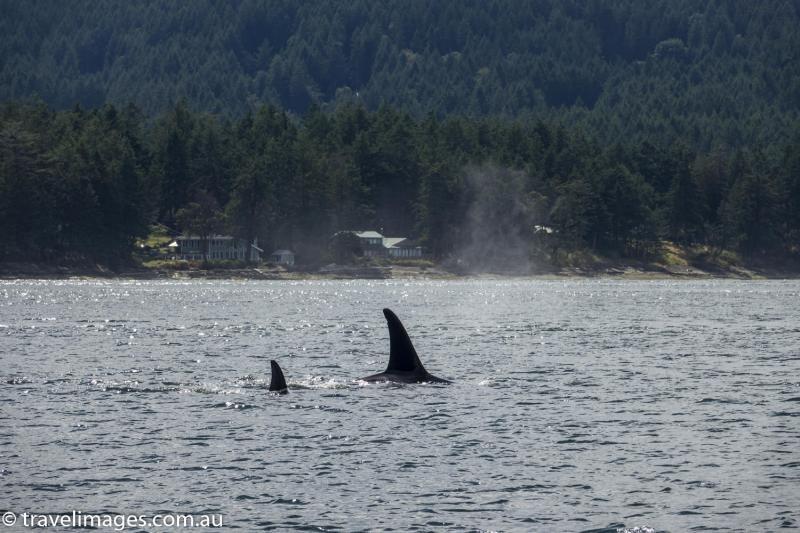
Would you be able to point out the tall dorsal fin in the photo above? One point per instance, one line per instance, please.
(402, 355)
(278, 382)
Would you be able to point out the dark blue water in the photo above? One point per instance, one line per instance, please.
(577, 405)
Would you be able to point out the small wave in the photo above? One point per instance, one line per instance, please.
(54, 381)
(318, 382)
(285, 501)
(126, 389)
(134, 387)
(18, 380)
(211, 389)
(231, 405)
(719, 400)
(250, 382)
(703, 484)
(90, 481)
(48, 487)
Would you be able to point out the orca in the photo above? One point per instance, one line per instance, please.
(404, 364)
(278, 382)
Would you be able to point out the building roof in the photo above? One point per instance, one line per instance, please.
(215, 237)
(368, 234)
(389, 242)
(407, 243)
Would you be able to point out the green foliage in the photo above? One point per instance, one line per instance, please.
(487, 192)
(789, 196)
(422, 264)
(710, 72)
(683, 201)
(201, 218)
(750, 212)
(70, 184)
(171, 264)
(345, 247)
(628, 216)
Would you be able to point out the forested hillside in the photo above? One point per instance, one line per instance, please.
(710, 73)
(490, 193)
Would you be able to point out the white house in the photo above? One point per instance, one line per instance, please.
(402, 247)
(282, 257)
(376, 245)
(219, 247)
(371, 242)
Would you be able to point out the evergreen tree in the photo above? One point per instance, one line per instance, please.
(683, 202)
(201, 218)
(750, 212)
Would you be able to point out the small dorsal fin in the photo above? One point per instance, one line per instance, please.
(278, 382)
(402, 355)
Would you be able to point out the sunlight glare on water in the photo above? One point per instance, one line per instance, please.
(577, 405)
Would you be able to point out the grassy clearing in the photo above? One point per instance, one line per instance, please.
(159, 236)
(182, 264)
(171, 264)
(583, 259)
(414, 263)
(673, 255)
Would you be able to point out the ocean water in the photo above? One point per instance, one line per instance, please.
(577, 405)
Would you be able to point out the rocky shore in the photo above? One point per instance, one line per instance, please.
(615, 270)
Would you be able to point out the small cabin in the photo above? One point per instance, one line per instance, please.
(282, 257)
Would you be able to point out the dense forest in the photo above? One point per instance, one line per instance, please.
(85, 183)
(712, 73)
(496, 132)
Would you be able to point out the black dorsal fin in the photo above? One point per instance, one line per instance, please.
(402, 355)
(278, 382)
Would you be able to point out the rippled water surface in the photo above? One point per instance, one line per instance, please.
(577, 405)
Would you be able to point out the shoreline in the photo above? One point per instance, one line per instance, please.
(628, 272)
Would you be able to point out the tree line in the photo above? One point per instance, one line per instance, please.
(86, 183)
(710, 72)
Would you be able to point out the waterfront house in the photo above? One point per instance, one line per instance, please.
(219, 247)
(401, 247)
(371, 242)
(376, 245)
